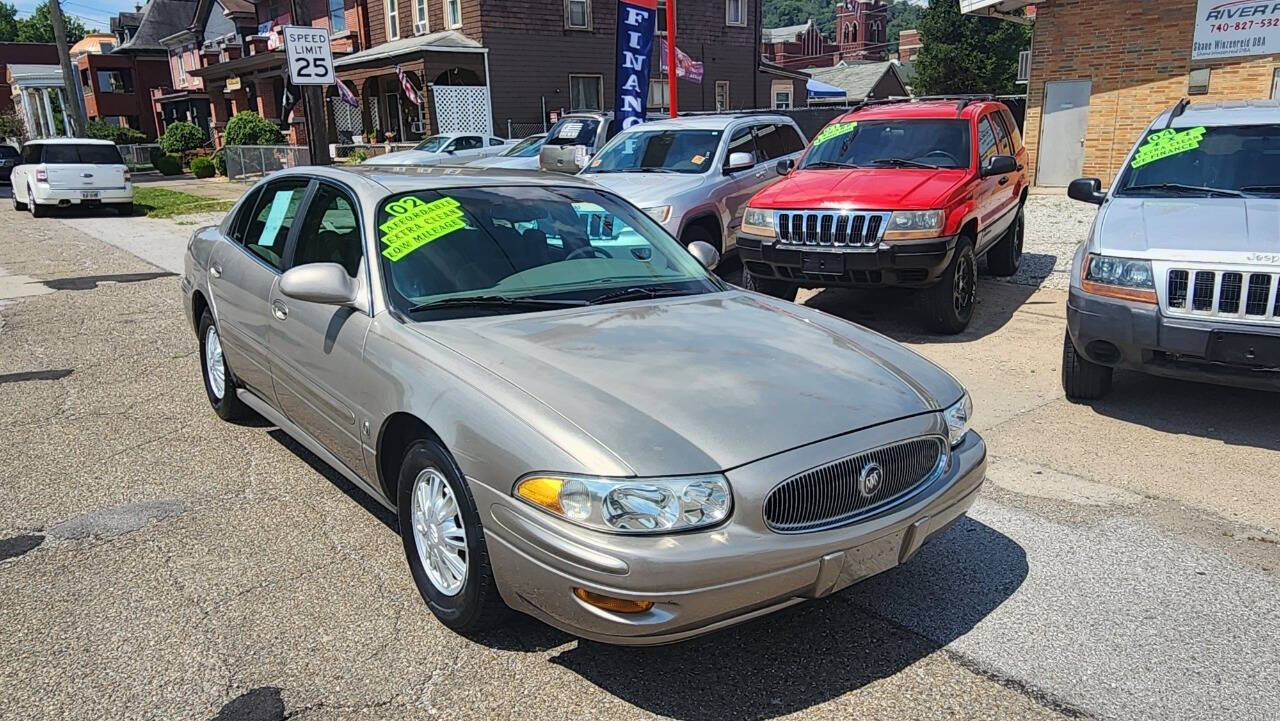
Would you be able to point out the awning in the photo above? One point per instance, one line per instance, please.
(443, 41)
(819, 89)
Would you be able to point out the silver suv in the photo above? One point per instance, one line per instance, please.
(694, 175)
(1179, 274)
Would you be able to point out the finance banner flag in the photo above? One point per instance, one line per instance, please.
(636, 20)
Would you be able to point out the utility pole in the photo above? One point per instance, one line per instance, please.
(312, 101)
(672, 73)
(72, 109)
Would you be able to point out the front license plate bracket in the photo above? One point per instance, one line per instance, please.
(822, 263)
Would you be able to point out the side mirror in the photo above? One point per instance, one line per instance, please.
(708, 256)
(999, 165)
(1087, 190)
(785, 166)
(740, 161)
(326, 283)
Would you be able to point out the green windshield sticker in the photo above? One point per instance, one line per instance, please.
(1166, 143)
(414, 223)
(834, 130)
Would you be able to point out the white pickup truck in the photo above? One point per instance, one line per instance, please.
(62, 172)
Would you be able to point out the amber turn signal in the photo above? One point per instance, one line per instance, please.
(1139, 295)
(609, 603)
(543, 492)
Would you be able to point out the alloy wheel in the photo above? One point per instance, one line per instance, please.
(965, 284)
(438, 533)
(214, 365)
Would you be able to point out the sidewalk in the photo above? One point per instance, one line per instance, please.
(218, 188)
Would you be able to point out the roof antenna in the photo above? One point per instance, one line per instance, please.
(1178, 109)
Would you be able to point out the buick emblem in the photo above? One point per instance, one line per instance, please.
(870, 479)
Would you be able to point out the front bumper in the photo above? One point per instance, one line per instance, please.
(1136, 336)
(44, 195)
(706, 580)
(911, 264)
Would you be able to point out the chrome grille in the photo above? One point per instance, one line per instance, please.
(847, 229)
(1236, 294)
(830, 496)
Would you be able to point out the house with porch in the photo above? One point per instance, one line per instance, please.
(212, 21)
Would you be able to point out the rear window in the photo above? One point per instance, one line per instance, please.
(8, 151)
(60, 153)
(574, 131)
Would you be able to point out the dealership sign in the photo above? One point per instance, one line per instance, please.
(636, 19)
(1231, 28)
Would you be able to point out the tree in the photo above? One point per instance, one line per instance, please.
(117, 134)
(902, 16)
(249, 128)
(12, 127)
(967, 54)
(39, 29)
(181, 137)
(8, 23)
(781, 13)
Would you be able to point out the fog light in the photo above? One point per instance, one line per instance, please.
(609, 603)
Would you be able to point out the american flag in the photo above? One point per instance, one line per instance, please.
(410, 92)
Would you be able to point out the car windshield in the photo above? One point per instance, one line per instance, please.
(67, 153)
(679, 151)
(526, 148)
(573, 131)
(873, 143)
(432, 144)
(1200, 161)
(503, 249)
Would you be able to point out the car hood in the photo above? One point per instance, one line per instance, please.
(873, 188)
(646, 189)
(1241, 230)
(404, 157)
(498, 161)
(703, 383)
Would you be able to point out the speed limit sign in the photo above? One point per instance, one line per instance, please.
(308, 54)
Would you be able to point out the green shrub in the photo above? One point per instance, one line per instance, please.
(168, 165)
(249, 128)
(182, 137)
(359, 155)
(103, 130)
(220, 162)
(202, 167)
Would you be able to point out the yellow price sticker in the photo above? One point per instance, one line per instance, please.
(834, 130)
(414, 223)
(1167, 143)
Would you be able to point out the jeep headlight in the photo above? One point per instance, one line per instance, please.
(957, 417)
(1124, 278)
(758, 221)
(631, 505)
(660, 213)
(911, 224)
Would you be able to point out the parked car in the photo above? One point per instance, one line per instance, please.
(572, 141)
(64, 172)
(595, 435)
(522, 155)
(710, 165)
(1180, 272)
(896, 193)
(449, 148)
(9, 156)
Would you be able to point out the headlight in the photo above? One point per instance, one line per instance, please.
(659, 213)
(759, 222)
(624, 505)
(1123, 278)
(911, 224)
(957, 417)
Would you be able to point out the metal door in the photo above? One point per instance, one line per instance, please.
(241, 286)
(1062, 131)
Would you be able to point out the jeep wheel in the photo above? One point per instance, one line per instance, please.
(950, 302)
(1082, 379)
(769, 286)
(1005, 257)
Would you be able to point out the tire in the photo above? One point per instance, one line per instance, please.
(37, 210)
(950, 302)
(17, 205)
(769, 286)
(427, 472)
(1005, 256)
(224, 400)
(125, 209)
(1082, 379)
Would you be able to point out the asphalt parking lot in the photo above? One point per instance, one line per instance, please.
(157, 563)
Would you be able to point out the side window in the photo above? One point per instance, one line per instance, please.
(1014, 134)
(742, 141)
(496, 141)
(1002, 134)
(330, 232)
(986, 141)
(237, 227)
(468, 142)
(31, 154)
(776, 140)
(269, 228)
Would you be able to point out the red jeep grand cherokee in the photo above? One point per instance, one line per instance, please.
(895, 193)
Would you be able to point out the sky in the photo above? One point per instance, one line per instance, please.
(95, 14)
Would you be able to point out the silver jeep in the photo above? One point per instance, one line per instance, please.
(1179, 274)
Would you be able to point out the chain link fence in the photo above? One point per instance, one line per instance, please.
(518, 129)
(248, 162)
(356, 153)
(138, 157)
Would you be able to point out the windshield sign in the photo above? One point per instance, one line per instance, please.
(510, 249)
(677, 151)
(573, 131)
(1226, 161)
(433, 144)
(891, 143)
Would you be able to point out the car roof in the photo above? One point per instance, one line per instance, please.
(718, 121)
(922, 109)
(1240, 112)
(391, 179)
(68, 141)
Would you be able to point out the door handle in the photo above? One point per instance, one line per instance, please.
(215, 271)
(279, 310)
(1004, 180)
(760, 174)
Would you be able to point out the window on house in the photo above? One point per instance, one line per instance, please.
(420, 22)
(115, 81)
(660, 25)
(393, 19)
(182, 68)
(586, 92)
(577, 14)
(722, 95)
(453, 13)
(735, 12)
(337, 16)
(659, 94)
(781, 91)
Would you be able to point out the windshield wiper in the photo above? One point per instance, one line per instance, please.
(1261, 189)
(1181, 188)
(638, 293)
(903, 163)
(830, 164)
(643, 170)
(496, 301)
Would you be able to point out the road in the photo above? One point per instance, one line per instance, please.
(161, 564)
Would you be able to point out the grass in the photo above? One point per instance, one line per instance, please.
(165, 203)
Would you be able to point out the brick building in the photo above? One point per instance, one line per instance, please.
(798, 46)
(909, 45)
(861, 33)
(1099, 78)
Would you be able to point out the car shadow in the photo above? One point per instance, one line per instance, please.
(365, 501)
(811, 653)
(1234, 416)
